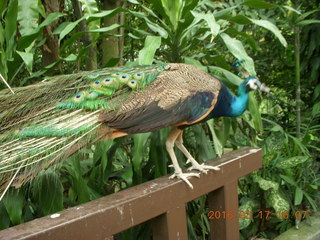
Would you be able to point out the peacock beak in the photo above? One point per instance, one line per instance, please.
(255, 84)
(262, 87)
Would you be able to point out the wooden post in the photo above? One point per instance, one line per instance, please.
(224, 204)
(172, 225)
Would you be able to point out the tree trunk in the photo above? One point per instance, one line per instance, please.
(91, 61)
(110, 45)
(298, 80)
(121, 40)
(50, 49)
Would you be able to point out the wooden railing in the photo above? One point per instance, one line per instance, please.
(162, 201)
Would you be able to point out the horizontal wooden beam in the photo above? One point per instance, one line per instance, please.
(106, 216)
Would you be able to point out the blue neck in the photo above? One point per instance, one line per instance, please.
(228, 105)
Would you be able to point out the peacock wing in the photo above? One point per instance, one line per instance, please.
(180, 95)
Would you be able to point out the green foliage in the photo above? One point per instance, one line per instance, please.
(48, 192)
(209, 35)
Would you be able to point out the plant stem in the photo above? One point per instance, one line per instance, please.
(298, 80)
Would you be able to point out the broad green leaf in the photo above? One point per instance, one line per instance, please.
(196, 63)
(245, 212)
(306, 14)
(289, 180)
(28, 16)
(291, 162)
(292, 9)
(1, 36)
(311, 201)
(4, 217)
(27, 57)
(13, 202)
(41, 9)
(11, 27)
(3, 4)
(156, 28)
(105, 13)
(277, 201)
(217, 143)
(307, 22)
(258, 4)
(158, 153)
(146, 55)
(210, 21)
(236, 48)
(253, 107)
(51, 18)
(90, 7)
(203, 144)
(104, 29)
(232, 78)
(316, 109)
(173, 10)
(26, 40)
(265, 184)
(224, 12)
(271, 27)
(134, 36)
(240, 19)
(316, 92)
(72, 57)
(298, 196)
(148, 10)
(69, 28)
(48, 192)
(139, 151)
(133, 2)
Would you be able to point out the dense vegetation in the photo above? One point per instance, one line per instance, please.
(278, 42)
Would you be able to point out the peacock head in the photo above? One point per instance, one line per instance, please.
(251, 84)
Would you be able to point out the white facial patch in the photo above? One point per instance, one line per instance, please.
(253, 84)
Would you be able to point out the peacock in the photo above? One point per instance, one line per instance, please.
(49, 121)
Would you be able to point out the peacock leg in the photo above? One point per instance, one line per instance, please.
(195, 164)
(175, 132)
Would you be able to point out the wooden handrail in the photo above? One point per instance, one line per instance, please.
(161, 200)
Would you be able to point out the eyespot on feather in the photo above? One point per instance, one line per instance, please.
(92, 76)
(19, 130)
(96, 84)
(80, 97)
(91, 95)
(133, 84)
(138, 76)
(124, 78)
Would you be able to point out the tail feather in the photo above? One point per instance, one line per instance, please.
(47, 122)
(29, 150)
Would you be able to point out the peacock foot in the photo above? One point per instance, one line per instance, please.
(201, 167)
(184, 177)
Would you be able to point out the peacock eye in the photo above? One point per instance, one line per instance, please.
(90, 91)
(139, 74)
(133, 82)
(118, 74)
(78, 96)
(124, 76)
(108, 80)
(97, 82)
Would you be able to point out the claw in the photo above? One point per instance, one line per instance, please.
(184, 177)
(202, 168)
